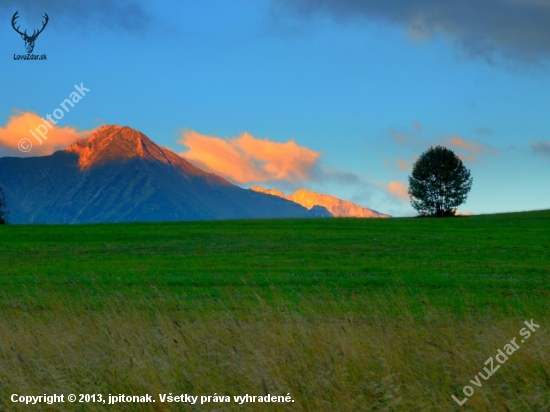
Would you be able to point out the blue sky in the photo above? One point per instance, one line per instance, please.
(334, 96)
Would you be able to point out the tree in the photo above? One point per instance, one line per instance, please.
(439, 183)
(4, 212)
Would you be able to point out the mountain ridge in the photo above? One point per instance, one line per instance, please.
(337, 207)
(118, 174)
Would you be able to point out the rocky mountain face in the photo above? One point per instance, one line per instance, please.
(337, 207)
(118, 174)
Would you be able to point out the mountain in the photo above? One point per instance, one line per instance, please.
(118, 174)
(337, 207)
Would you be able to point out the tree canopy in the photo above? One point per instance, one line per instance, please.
(439, 182)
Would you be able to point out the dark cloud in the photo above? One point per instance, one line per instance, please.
(116, 15)
(485, 130)
(514, 29)
(542, 147)
(320, 174)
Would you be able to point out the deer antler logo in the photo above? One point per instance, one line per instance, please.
(29, 40)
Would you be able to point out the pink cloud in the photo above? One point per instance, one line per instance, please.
(470, 150)
(417, 126)
(398, 189)
(402, 164)
(459, 142)
(247, 159)
(21, 131)
(400, 138)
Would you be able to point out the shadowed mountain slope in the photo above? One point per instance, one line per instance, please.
(118, 174)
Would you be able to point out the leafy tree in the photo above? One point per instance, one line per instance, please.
(439, 183)
(4, 212)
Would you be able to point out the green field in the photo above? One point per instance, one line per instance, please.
(342, 314)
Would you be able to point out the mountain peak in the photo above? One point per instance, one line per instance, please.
(116, 143)
(137, 180)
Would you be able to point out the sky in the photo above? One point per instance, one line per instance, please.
(336, 96)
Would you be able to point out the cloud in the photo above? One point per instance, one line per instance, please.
(400, 163)
(471, 150)
(542, 147)
(398, 190)
(417, 126)
(461, 143)
(320, 174)
(515, 29)
(18, 131)
(247, 159)
(485, 130)
(401, 138)
(285, 166)
(115, 15)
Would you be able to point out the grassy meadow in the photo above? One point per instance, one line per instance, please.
(342, 314)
